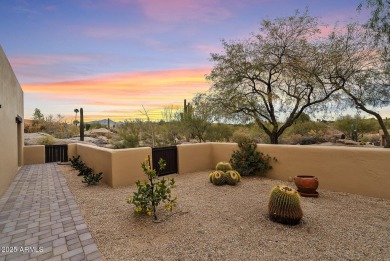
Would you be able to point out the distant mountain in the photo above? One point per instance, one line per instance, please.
(104, 122)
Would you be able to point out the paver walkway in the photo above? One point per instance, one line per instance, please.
(40, 220)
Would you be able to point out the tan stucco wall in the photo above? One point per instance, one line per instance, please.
(363, 171)
(194, 157)
(99, 159)
(72, 150)
(11, 101)
(120, 167)
(222, 151)
(127, 166)
(34, 154)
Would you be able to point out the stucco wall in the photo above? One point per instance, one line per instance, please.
(194, 157)
(363, 171)
(99, 159)
(34, 154)
(11, 133)
(119, 167)
(72, 150)
(126, 165)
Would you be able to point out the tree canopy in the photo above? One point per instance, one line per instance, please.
(275, 75)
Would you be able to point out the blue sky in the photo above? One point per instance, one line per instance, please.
(113, 56)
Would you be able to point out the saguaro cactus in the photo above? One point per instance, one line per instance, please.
(81, 124)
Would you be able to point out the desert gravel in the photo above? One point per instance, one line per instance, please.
(231, 223)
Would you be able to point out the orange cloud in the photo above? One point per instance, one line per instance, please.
(122, 95)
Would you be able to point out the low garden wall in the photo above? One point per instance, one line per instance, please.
(120, 167)
(194, 157)
(363, 171)
(33, 154)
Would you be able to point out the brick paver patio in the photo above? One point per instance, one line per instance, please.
(40, 220)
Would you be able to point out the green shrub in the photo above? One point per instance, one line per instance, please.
(247, 161)
(92, 178)
(76, 162)
(85, 171)
(151, 193)
(46, 140)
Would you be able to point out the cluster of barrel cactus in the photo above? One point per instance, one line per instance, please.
(285, 205)
(224, 174)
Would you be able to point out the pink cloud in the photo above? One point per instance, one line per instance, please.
(181, 10)
(36, 60)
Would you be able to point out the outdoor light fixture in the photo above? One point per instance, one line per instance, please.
(18, 119)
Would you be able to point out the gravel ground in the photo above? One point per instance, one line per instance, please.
(231, 223)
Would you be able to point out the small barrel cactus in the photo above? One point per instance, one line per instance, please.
(218, 177)
(232, 177)
(285, 205)
(224, 166)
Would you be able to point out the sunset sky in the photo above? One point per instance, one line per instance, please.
(113, 56)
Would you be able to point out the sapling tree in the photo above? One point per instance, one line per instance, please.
(151, 193)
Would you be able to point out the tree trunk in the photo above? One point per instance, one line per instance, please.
(274, 138)
(385, 132)
(376, 115)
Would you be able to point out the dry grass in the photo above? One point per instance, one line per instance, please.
(231, 223)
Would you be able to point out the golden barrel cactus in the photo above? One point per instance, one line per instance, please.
(285, 205)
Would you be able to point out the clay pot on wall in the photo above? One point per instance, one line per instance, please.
(307, 185)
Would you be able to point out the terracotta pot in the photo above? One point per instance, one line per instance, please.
(307, 185)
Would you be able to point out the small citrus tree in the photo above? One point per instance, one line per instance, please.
(151, 193)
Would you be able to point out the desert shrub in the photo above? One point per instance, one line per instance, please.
(150, 194)
(247, 161)
(85, 171)
(241, 136)
(76, 162)
(92, 178)
(128, 135)
(291, 139)
(219, 132)
(309, 140)
(347, 123)
(89, 176)
(46, 140)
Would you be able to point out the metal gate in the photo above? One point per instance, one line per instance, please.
(54, 153)
(169, 154)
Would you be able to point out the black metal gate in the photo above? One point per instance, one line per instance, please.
(54, 153)
(169, 154)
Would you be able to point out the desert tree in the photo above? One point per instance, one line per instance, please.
(198, 119)
(274, 76)
(379, 22)
(354, 52)
(128, 134)
(150, 128)
(171, 124)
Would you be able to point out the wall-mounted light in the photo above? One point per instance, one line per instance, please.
(18, 119)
